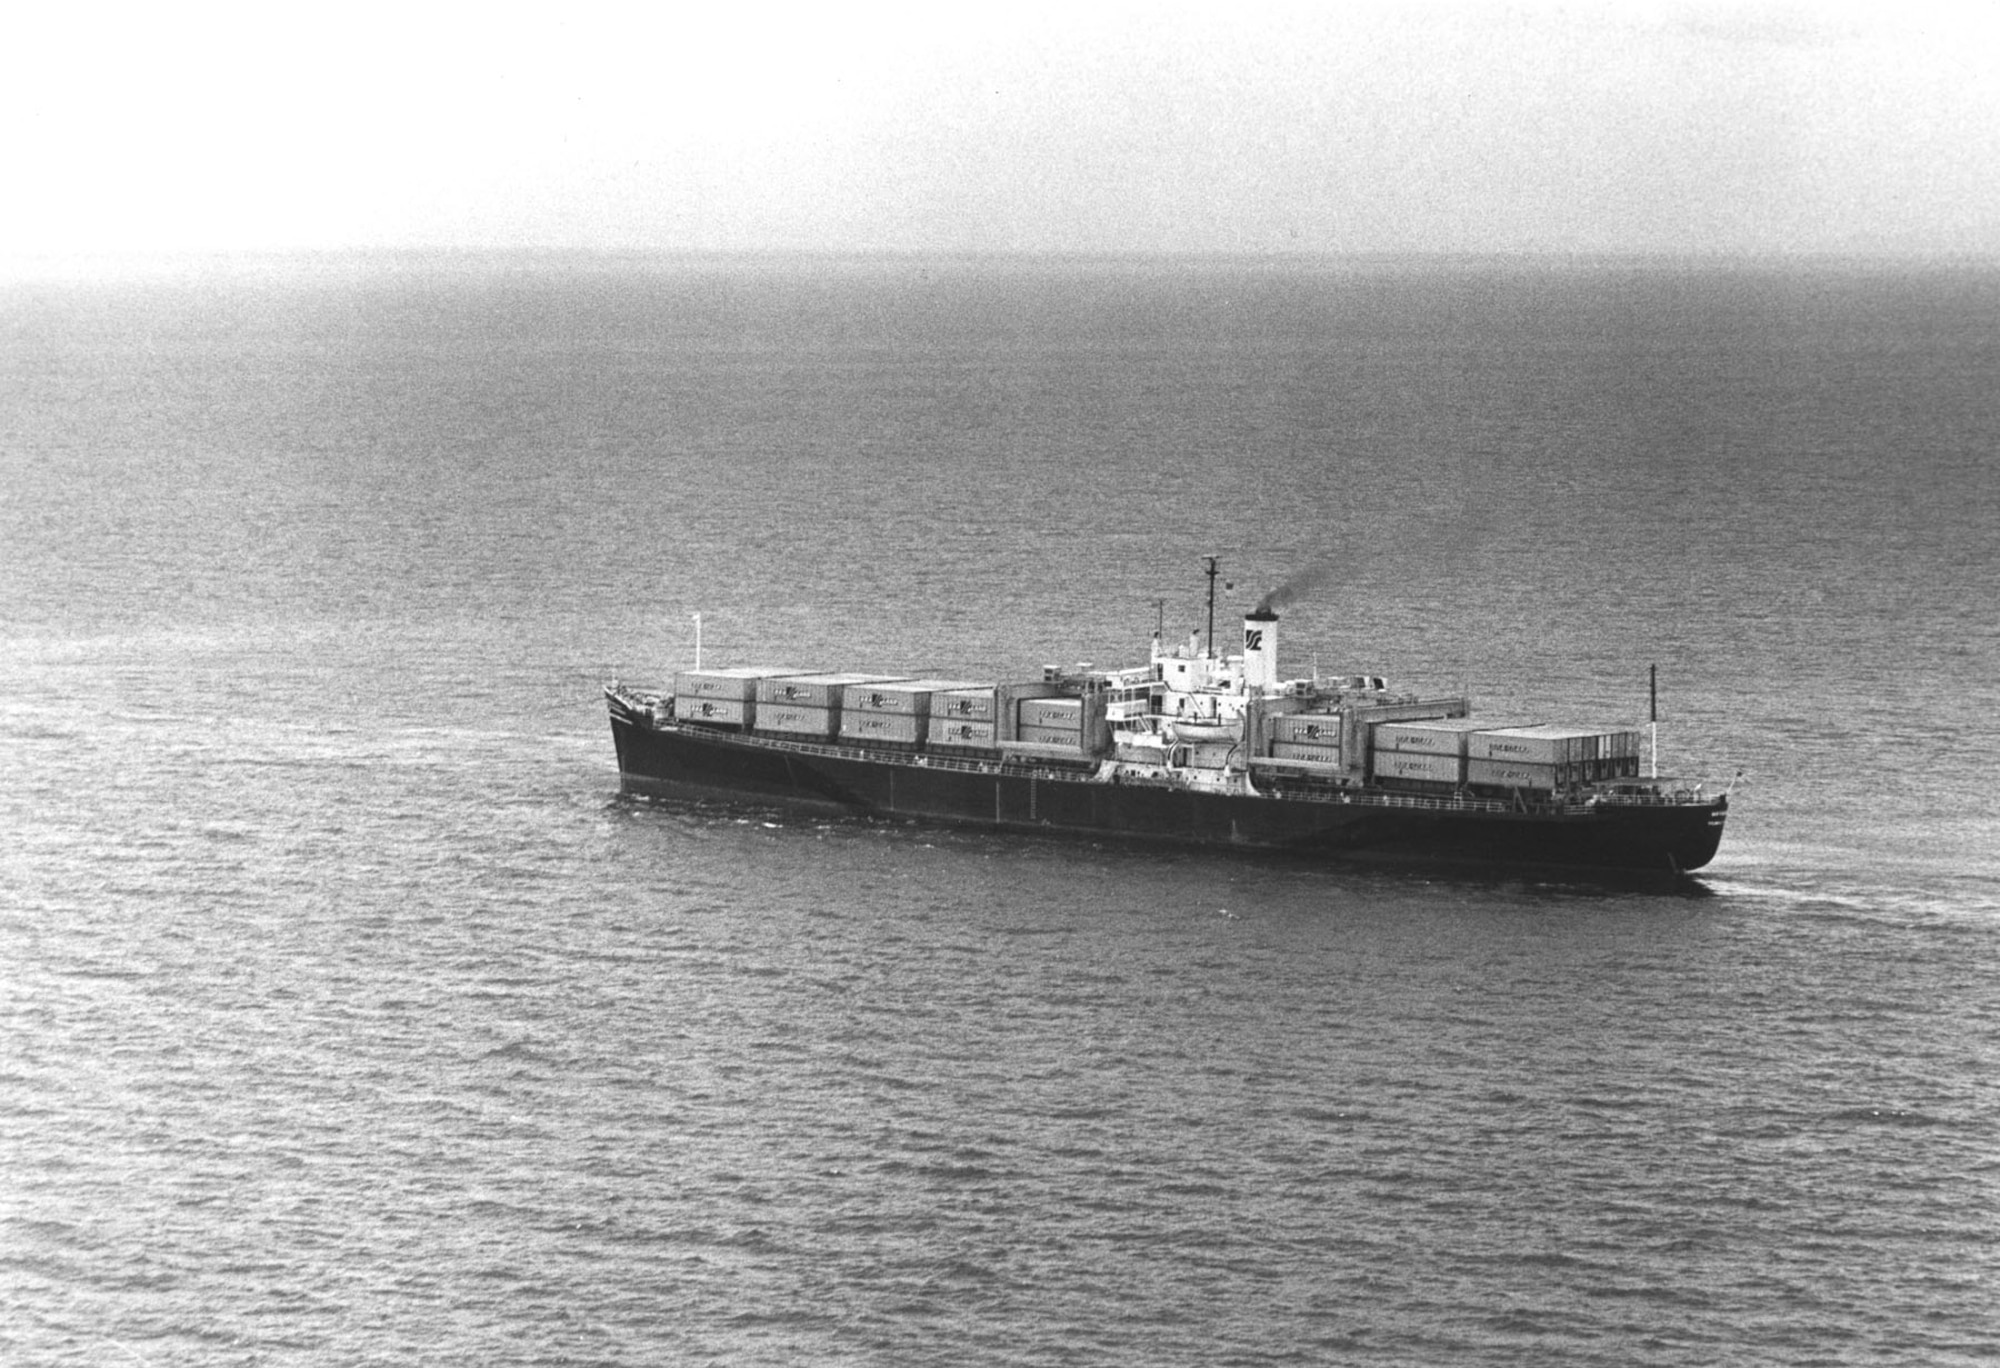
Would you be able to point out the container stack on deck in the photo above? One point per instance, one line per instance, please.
(897, 714)
(1054, 718)
(807, 707)
(1439, 754)
(1050, 722)
(1311, 738)
(1423, 754)
(963, 718)
(721, 698)
(1417, 746)
(1549, 757)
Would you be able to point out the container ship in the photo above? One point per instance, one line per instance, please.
(1192, 748)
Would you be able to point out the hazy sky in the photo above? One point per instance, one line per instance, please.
(1073, 127)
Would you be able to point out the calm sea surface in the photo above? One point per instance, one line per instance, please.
(348, 1015)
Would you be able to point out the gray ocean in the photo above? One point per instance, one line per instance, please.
(348, 1015)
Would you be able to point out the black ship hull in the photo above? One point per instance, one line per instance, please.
(684, 760)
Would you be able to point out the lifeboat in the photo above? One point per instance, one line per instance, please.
(1200, 733)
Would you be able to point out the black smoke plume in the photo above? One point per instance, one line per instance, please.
(1315, 576)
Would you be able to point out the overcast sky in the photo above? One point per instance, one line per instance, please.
(1673, 128)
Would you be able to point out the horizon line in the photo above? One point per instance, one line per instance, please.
(16, 266)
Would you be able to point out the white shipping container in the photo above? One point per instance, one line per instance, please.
(794, 720)
(970, 704)
(1440, 769)
(1047, 713)
(1513, 774)
(1305, 750)
(739, 684)
(1321, 729)
(816, 690)
(951, 731)
(1540, 745)
(910, 699)
(721, 711)
(916, 696)
(904, 728)
(1442, 736)
(1071, 737)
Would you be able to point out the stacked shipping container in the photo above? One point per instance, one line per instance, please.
(1549, 757)
(1050, 722)
(963, 718)
(1431, 736)
(895, 714)
(1459, 751)
(1404, 745)
(1423, 753)
(807, 706)
(721, 698)
(1310, 737)
(1052, 719)
(1418, 766)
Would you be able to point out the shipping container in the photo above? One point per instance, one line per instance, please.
(1440, 736)
(1520, 774)
(1547, 744)
(790, 719)
(912, 700)
(1305, 750)
(916, 696)
(1209, 755)
(1068, 737)
(1007, 703)
(860, 725)
(717, 712)
(1051, 713)
(1358, 723)
(816, 690)
(1321, 729)
(951, 731)
(739, 684)
(972, 704)
(1437, 769)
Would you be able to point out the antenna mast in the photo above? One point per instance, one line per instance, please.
(1653, 687)
(1214, 565)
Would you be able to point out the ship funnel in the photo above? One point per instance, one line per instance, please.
(1260, 650)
